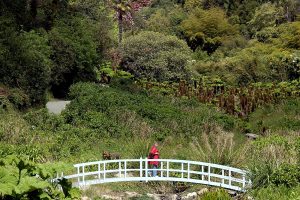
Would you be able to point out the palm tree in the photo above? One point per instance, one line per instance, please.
(125, 10)
(122, 8)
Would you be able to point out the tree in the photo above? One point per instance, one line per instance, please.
(155, 56)
(99, 17)
(122, 8)
(290, 8)
(166, 21)
(267, 15)
(25, 63)
(124, 11)
(288, 35)
(73, 41)
(207, 28)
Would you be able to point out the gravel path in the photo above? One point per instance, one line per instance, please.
(56, 106)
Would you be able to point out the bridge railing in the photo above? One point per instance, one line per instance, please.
(108, 171)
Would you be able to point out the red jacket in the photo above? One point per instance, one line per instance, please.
(153, 154)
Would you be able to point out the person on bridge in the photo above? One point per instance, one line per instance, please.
(154, 154)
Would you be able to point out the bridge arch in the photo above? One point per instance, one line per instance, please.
(109, 171)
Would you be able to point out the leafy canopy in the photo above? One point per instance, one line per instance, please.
(207, 28)
(155, 56)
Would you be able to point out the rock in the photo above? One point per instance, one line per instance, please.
(111, 197)
(85, 198)
(163, 196)
(202, 191)
(190, 196)
(252, 136)
(231, 193)
(173, 197)
(154, 196)
(132, 194)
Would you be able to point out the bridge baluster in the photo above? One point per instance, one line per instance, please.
(208, 173)
(223, 176)
(181, 170)
(168, 167)
(125, 169)
(162, 167)
(104, 171)
(202, 169)
(78, 173)
(99, 168)
(141, 167)
(83, 178)
(188, 176)
(120, 167)
(229, 178)
(146, 169)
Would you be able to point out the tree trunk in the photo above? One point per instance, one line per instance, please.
(120, 24)
(33, 8)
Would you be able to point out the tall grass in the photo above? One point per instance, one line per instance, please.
(218, 146)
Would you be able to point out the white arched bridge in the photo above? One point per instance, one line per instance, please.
(109, 171)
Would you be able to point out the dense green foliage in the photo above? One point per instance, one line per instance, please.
(155, 56)
(235, 58)
(206, 29)
(216, 195)
(50, 44)
(99, 113)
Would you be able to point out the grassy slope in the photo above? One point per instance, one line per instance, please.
(283, 118)
(101, 119)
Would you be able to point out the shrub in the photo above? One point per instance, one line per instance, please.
(165, 115)
(43, 120)
(22, 179)
(18, 98)
(271, 155)
(275, 193)
(287, 175)
(259, 62)
(155, 56)
(276, 117)
(219, 194)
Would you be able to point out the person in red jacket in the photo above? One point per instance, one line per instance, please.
(154, 154)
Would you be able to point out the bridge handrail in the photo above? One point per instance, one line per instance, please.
(164, 160)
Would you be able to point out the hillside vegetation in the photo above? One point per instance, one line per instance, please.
(109, 119)
(194, 75)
